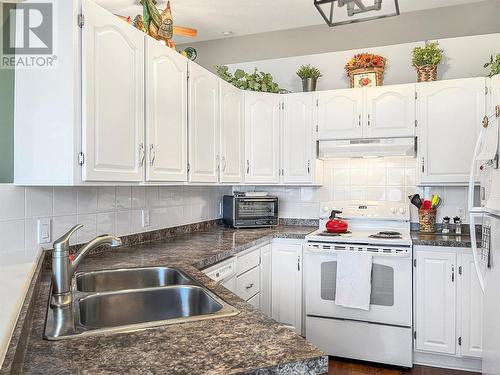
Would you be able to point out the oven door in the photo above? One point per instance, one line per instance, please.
(255, 208)
(391, 295)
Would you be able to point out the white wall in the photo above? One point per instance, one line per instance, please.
(101, 209)
(391, 179)
(465, 57)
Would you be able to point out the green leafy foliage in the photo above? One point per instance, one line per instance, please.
(256, 81)
(494, 65)
(308, 71)
(430, 54)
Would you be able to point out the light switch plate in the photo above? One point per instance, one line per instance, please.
(43, 227)
(145, 218)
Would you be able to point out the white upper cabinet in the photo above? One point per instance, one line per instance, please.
(113, 97)
(166, 113)
(435, 312)
(298, 157)
(390, 111)
(340, 114)
(494, 97)
(231, 140)
(262, 137)
(449, 115)
(203, 124)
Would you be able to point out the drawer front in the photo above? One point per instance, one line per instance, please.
(248, 284)
(248, 261)
(255, 301)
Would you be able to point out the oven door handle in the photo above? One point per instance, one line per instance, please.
(313, 250)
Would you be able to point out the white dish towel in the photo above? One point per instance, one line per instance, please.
(354, 280)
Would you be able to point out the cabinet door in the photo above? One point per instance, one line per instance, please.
(166, 113)
(390, 111)
(287, 285)
(435, 313)
(203, 124)
(449, 115)
(340, 114)
(262, 132)
(231, 125)
(265, 280)
(494, 97)
(297, 139)
(472, 309)
(112, 97)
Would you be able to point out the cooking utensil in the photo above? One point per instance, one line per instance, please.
(426, 204)
(436, 201)
(415, 200)
(336, 225)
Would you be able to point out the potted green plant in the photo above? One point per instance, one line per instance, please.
(309, 75)
(494, 65)
(426, 60)
(256, 81)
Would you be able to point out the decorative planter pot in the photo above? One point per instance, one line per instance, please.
(309, 84)
(366, 77)
(426, 73)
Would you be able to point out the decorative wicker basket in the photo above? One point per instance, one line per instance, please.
(427, 220)
(426, 73)
(379, 74)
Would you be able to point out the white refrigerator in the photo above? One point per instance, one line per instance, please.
(487, 256)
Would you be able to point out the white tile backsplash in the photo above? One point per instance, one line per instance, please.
(392, 179)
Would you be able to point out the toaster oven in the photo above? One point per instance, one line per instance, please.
(250, 212)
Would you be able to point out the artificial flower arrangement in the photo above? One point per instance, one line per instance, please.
(366, 69)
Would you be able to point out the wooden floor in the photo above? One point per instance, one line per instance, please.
(344, 367)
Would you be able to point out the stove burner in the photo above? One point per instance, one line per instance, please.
(330, 234)
(387, 234)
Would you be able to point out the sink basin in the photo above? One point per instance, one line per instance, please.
(131, 278)
(146, 305)
(129, 299)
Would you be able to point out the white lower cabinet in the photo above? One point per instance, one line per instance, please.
(265, 280)
(448, 302)
(287, 284)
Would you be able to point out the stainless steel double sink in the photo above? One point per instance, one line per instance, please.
(128, 299)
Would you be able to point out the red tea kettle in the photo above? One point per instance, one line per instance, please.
(336, 225)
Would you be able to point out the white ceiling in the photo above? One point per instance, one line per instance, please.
(243, 17)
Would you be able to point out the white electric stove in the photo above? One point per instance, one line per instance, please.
(384, 333)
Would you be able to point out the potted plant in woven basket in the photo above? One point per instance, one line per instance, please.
(366, 69)
(426, 60)
(309, 75)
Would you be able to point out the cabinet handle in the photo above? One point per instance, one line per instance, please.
(248, 166)
(453, 274)
(217, 161)
(142, 154)
(368, 119)
(308, 167)
(249, 286)
(298, 263)
(152, 154)
(359, 119)
(423, 165)
(223, 164)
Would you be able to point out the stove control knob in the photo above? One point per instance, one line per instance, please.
(402, 211)
(393, 210)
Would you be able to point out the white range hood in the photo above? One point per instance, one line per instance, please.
(367, 147)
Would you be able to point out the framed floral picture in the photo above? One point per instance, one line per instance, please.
(368, 79)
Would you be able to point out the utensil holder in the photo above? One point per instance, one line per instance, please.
(427, 220)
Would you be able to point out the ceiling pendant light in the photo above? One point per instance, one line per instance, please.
(342, 12)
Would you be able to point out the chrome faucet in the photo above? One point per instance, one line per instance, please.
(64, 267)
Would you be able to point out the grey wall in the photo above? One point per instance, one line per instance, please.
(473, 19)
(6, 124)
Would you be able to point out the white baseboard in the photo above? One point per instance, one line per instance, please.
(447, 361)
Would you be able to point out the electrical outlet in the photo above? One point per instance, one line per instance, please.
(43, 228)
(145, 218)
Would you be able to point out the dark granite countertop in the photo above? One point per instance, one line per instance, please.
(249, 343)
(438, 239)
